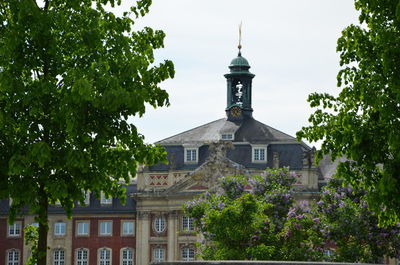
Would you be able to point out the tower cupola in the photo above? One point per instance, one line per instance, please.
(239, 81)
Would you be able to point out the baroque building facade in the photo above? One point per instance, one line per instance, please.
(151, 226)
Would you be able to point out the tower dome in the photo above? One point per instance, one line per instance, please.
(239, 64)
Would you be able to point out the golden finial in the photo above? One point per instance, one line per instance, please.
(240, 38)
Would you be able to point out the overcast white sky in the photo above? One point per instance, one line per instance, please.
(290, 45)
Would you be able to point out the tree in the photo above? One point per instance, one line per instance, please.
(71, 73)
(353, 229)
(362, 123)
(254, 218)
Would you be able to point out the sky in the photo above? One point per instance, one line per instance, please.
(290, 46)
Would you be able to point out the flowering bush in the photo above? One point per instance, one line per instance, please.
(256, 218)
(253, 218)
(353, 228)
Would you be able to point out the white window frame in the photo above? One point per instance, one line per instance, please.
(104, 260)
(14, 230)
(104, 200)
(254, 157)
(87, 197)
(15, 257)
(188, 253)
(60, 259)
(81, 260)
(159, 224)
(60, 228)
(127, 260)
(187, 224)
(127, 233)
(193, 159)
(105, 232)
(227, 136)
(158, 254)
(81, 224)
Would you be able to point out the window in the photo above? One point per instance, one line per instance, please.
(82, 228)
(187, 224)
(58, 257)
(59, 229)
(82, 257)
(158, 254)
(127, 228)
(104, 256)
(159, 224)
(14, 229)
(13, 257)
(127, 256)
(259, 154)
(87, 197)
(227, 136)
(105, 228)
(187, 254)
(105, 199)
(328, 253)
(191, 155)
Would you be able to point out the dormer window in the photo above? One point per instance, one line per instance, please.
(227, 136)
(259, 154)
(191, 155)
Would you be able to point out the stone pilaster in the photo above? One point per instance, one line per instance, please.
(142, 238)
(173, 223)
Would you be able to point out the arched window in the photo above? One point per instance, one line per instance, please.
(82, 256)
(104, 256)
(13, 257)
(159, 224)
(58, 257)
(127, 256)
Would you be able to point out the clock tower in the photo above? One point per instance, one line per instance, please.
(239, 89)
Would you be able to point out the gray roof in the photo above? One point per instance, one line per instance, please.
(246, 130)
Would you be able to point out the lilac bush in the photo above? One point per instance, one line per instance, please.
(254, 218)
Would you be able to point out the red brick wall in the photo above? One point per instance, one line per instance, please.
(7, 243)
(94, 241)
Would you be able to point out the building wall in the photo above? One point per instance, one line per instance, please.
(94, 241)
(7, 242)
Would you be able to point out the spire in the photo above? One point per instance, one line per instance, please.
(239, 81)
(240, 39)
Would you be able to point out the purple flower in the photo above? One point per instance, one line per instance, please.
(341, 204)
(299, 217)
(317, 220)
(297, 226)
(292, 212)
(319, 203)
(221, 205)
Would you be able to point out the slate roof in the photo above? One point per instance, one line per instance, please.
(94, 207)
(247, 130)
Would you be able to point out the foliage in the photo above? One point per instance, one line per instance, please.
(254, 218)
(31, 235)
(362, 123)
(352, 228)
(71, 73)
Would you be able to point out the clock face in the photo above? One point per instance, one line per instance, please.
(236, 111)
